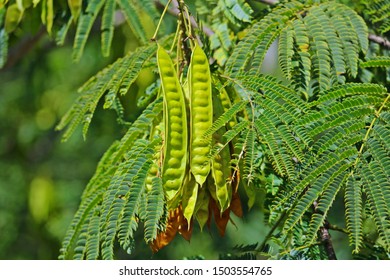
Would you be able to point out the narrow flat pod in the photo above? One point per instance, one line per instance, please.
(175, 123)
(201, 114)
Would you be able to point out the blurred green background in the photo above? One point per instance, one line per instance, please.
(41, 178)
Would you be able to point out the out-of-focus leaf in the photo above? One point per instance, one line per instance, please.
(25, 3)
(40, 197)
(75, 8)
(47, 15)
(36, 2)
(3, 47)
(12, 18)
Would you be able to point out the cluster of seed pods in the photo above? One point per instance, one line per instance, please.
(195, 184)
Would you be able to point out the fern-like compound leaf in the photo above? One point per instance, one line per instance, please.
(225, 117)
(328, 196)
(259, 38)
(132, 15)
(377, 188)
(79, 224)
(3, 47)
(318, 43)
(107, 27)
(116, 78)
(84, 27)
(378, 13)
(286, 51)
(127, 227)
(354, 212)
(155, 209)
(378, 61)
(80, 249)
(92, 246)
(123, 196)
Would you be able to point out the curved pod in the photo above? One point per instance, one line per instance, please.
(220, 163)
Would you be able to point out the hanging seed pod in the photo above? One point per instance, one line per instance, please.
(201, 114)
(175, 124)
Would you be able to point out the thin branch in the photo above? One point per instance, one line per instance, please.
(184, 32)
(379, 40)
(301, 248)
(271, 232)
(336, 228)
(174, 10)
(23, 48)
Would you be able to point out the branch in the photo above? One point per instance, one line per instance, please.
(183, 33)
(175, 11)
(23, 48)
(379, 40)
(325, 236)
(327, 241)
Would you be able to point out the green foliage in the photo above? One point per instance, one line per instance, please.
(333, 140)
(318, 44)
(223, 13)
(87, 18)
(113, 80)
(41, 178)
(3, 47)
(84, 16)
(115, 196)
(377, 12)
(379, 61)
(300, 143)
(338, 128)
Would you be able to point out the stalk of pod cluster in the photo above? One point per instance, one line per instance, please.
(196, 185)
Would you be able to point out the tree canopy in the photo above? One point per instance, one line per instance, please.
(199, 134)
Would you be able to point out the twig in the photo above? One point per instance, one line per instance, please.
(174, 10)
(379, 40)
(301, 248)
(336, 228)
(24, 47)
(271, 232)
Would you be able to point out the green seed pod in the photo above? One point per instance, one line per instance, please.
(226, 104)
(201, 114)
(154, 168)
(220, 163)
(175, 125)
(190, 195)
(201, 212)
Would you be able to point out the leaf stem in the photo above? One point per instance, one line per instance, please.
(336, 228)
(271, 232)
(301, 248)
(160, 21)
(377, 113)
